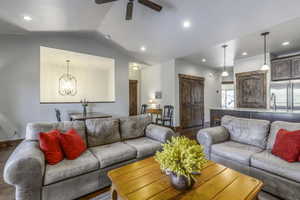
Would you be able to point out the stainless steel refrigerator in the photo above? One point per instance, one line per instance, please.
(286, 94)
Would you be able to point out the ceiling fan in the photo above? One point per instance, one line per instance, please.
(129, 9)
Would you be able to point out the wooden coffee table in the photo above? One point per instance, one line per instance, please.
(144, 180)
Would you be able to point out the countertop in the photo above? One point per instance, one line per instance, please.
(256, 110)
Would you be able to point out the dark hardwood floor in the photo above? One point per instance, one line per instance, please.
(7, 192)
(190, 133)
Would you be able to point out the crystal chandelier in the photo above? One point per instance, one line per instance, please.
(67, 83)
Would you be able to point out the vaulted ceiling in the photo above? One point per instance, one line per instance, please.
(212, 23)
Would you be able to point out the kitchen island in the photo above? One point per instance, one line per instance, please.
(267, 114)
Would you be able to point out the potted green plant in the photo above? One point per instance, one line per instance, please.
(181, 158)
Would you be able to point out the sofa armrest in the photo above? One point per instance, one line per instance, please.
(159, 133)
(210, 136)
(25, 170)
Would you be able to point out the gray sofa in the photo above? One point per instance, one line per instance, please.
(245, 145)
(111, 144)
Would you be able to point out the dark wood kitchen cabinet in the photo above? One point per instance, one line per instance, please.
(286, 68)
(296, 67)
(251, 89)
(281, 69)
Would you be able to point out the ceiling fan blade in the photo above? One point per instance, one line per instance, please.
(151, 5)
(129, 10)
(103, 1)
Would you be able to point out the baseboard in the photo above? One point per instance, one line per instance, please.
(9, 143)
(177, 128)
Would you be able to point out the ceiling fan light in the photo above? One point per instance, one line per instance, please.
(129, 10)
(225, 73)
(103, 1)
(265, 67)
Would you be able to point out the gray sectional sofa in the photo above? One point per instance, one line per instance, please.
(111, 144)
(245, 145)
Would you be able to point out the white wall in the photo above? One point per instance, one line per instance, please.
(212, 85)
(168, 83)
(253, 64)
(150, 83)
(20, 77)
(95, 76)
(159, 78)
(164, 77)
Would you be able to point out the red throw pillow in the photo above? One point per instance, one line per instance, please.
(49, 144)
(72, 144)
(287, 145)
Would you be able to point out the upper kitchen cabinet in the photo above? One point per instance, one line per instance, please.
(285, 68)
(296, 67)
(251, 89)
(281, 69)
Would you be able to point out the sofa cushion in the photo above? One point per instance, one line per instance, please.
(134, 127)
(33, 129)
(87, 162)
(145, 146)
(276, 126)
(113, 153)
(235, 151)
(102, 131)
(268, 162)
(247, 131)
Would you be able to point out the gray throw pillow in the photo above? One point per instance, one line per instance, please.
(247, 131)
(134, 127)
(102, 131)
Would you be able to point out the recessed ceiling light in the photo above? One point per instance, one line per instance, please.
(244, 53)
(135, 68)
(143, 48)
(27, 18)
(203, 60)
(186, 24)
(285, 43)
(107, 36)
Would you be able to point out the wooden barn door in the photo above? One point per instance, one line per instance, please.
(191, 97)
(133, 96)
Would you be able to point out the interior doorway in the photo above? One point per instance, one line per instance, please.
(191, 100)
(133, 97)
(134, 76)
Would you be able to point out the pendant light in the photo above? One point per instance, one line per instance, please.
(265, 67)
(67, 83)
(224, 73)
